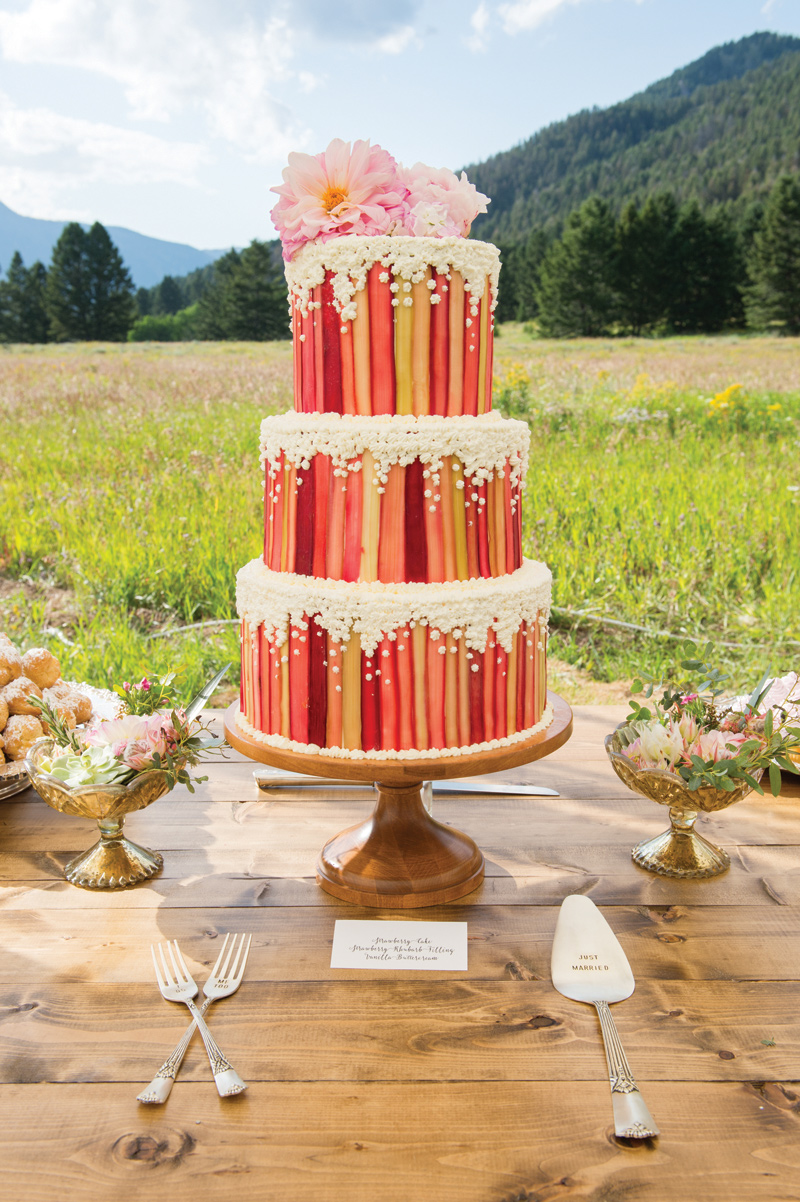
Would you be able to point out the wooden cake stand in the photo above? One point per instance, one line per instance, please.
(401, 857)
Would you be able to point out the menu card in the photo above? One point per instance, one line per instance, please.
(404, 944)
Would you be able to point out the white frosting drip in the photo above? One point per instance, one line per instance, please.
(345, 753)
(376, 610)
(350, 258)
(484, 445)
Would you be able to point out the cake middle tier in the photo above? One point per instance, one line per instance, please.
(377, 669)
(393, 498)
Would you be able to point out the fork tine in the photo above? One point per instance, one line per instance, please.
(179, 976)
(225, 971)
(161, 982)
(215, 971)
(187, 976)
(169, 979)
(241, 958)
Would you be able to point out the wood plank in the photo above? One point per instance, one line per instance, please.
(353, 1142)
(301, 827)
(759, 876)
(662, 942)
(371, 1030)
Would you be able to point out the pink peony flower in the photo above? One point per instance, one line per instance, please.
(343, 190)
(440, 204)
(135, 739)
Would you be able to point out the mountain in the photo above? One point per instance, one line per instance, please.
(719, 130)
(148, 259)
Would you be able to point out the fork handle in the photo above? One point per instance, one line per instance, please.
(160, 1087)
(632, 1119)
(226, 1078)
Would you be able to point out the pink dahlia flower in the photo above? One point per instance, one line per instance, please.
(343, 190)
(440, 203)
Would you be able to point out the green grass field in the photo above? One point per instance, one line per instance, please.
(664, 492)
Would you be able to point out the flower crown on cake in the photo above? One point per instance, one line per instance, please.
(361, 189)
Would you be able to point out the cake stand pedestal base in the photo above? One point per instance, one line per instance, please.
(401, 858)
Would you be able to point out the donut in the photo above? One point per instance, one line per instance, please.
(40, 666)
(20, 734)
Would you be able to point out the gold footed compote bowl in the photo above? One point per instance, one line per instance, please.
(680, 851)
(114, 862)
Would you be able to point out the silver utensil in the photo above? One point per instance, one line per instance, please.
(177, 985)
(588, 965)
(225, 979)
(265, 779)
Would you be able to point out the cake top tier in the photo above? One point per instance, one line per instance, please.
(346, 261)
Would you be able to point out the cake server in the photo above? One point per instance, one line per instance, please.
(295, 780)
(588, 965)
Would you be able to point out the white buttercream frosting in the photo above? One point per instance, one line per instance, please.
(345, 753)
(485, 445)
(375, 610)
(349, 259)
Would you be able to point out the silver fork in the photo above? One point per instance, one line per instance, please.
(177, 985)
(225, 979)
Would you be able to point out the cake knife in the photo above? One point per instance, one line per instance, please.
(293, 780)
(588, 965)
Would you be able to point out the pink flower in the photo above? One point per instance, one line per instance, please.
(343, 190)
(440, 203)
(135, 740)
(716, 745)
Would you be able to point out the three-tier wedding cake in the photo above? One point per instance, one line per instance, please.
(391, 613)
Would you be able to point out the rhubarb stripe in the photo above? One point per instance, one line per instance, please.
(439, 349)
(334, 714)
(421, 341)
(476, 698)
(483, 336)
(319, 346)
(471, 361)
(419, 646)
(450, 689)
(509, 521)
(308, 358)
(392, 549)
(351, 693)
(416, 546)
(463, 693)
(320, 469)
(331, 353)
(488, 684)
(298, 684)
(404, 690)
(361, 355)
(387, 659)
(381, 341)
(352, 526)
(455, 373)
(290, 513)
(255, 653)
(370, 703)
(348, 368)
(275, 689)
(306, 519)
(483, 530)
(436, 692)
(337, 498)
(447, 507)
(317, 684)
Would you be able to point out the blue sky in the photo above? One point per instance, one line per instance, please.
(174, 117)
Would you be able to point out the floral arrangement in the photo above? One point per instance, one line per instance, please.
(361, 189)
(156, 734)
(690, 733)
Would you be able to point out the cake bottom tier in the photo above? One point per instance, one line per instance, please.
(425, 685)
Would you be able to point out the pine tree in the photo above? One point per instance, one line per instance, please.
(706, 296)
(646, 246)
(89, 289)
(576, 293)
(248, 298)
(23, 314)
(169, 298)
(774, 262)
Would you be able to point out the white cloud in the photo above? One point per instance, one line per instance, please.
(398, 41)
(479, 22)
(527, 14)
(221, 59)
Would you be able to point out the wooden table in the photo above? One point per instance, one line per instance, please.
(481, 1086)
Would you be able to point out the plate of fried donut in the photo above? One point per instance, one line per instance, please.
(37, 672)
